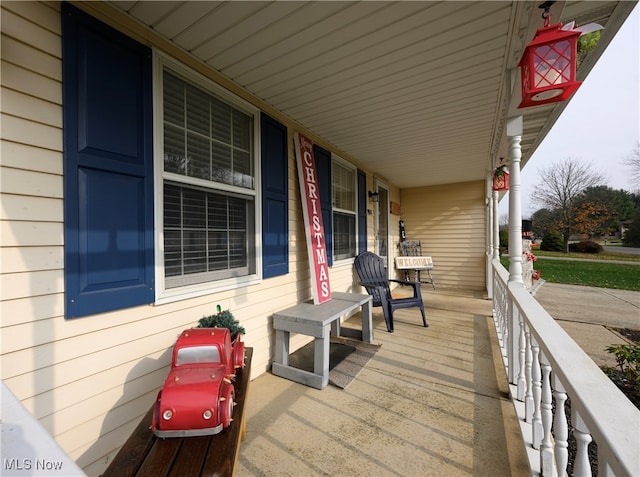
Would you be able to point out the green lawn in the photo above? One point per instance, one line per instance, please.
(596, 274)
(624, 257)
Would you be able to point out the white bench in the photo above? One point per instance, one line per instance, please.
(320, 321)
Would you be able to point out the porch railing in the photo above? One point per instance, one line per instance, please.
(545, 369)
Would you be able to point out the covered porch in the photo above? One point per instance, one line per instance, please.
(432, 401)
(419, 101)
(476, 393)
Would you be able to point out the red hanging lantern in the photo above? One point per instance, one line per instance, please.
(548, 65)
(500, 179)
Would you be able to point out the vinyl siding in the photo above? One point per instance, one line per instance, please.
(450, 222)
(89, 380)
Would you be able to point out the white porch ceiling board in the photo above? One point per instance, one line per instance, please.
(152, 12)
(294, 25)
(380, 122)
(246, 32)
(281, 55)
(390, 78)
(434, 131)
(350, 43)
(184, 16)
(422, 110)
(404, 147)
(432, 95)
(227, 16)
(405, 139)
(586, 11)
(413, 91)
(397, 47)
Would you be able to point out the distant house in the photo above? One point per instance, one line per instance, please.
(624, 226)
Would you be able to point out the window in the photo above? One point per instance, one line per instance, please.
(344, 198)
(162, 192)
(208, 183)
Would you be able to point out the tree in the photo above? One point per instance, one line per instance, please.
(543, 220)
(632, 162)
(560, 186)
(601, 209)
(632, 236)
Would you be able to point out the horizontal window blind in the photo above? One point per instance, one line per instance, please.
(206, 138)
(205, 233)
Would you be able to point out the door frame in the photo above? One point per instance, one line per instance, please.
(382, 212)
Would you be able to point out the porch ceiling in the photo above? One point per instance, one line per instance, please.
(416, 92)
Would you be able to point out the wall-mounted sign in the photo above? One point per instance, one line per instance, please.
(395, 208)
(316, 246)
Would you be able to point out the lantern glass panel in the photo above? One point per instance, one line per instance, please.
(552, 64)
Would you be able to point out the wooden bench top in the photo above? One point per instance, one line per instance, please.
(339, 305)
(144, 454)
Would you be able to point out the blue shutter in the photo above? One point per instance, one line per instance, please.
(108, 169)
(362, 211)
(275, 198)
(323, 167)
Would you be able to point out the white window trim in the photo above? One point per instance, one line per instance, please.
(168, 295)
(346, 164)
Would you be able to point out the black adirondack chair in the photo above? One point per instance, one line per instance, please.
(373, 276)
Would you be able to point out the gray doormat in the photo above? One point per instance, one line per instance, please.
(347, 358)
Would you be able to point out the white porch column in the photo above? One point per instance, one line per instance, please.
(496, 225)
(491, 238)
(514, 135)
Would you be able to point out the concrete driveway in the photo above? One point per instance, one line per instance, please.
(588, 315)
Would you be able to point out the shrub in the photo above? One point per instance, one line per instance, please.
(552, 242)
(628, 359)
(585, 246)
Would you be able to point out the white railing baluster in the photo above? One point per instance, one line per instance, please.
(560, 428)
(522, 343)
(528, 396)
(547, 462)
(537, 392)
(581, 466)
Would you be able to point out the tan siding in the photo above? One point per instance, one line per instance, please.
(29, 309)
(24, 156)
(22, 285)
(33, 109)
(450, 222)
(30, 208)
(89, 380)
(39, 23)
(28, 82)
(30, 58)
(30, 233)
(40, 184)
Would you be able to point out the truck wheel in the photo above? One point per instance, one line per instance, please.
(238, 355)
(226, 406)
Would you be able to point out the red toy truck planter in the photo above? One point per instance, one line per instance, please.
(197, 398)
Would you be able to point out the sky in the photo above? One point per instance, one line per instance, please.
(601, 123)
